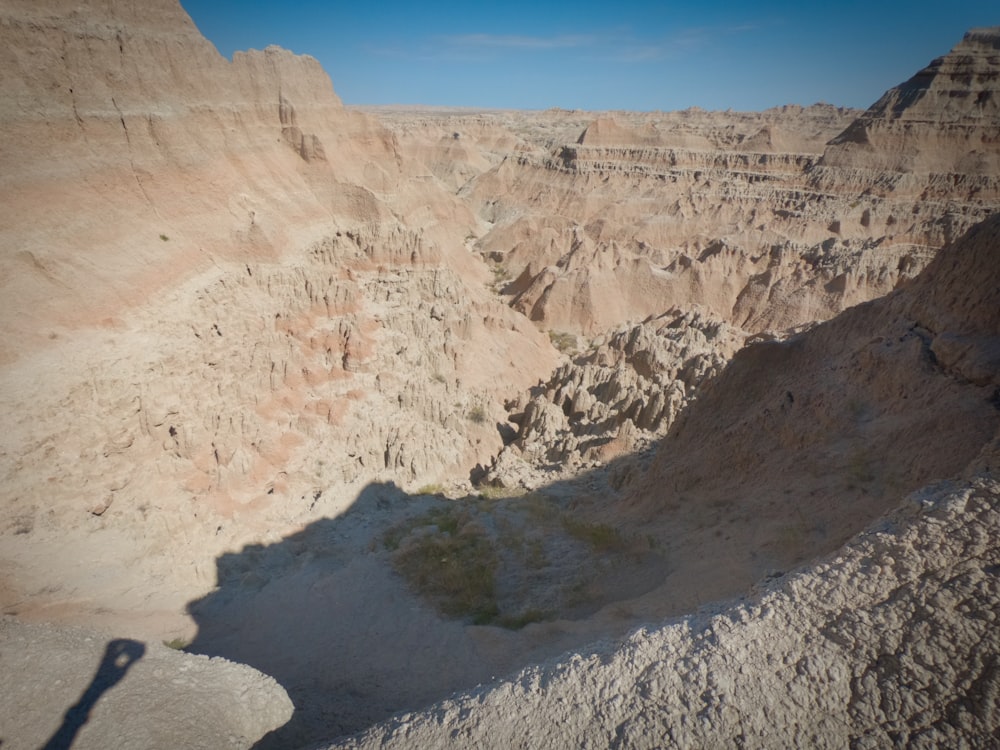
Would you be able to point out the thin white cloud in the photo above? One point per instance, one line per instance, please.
(614, 45)
(561, 41)
(681, 42)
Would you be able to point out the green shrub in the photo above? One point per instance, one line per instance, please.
(600, 536)
(564, 342)
(454, 568)
(431, 489)
(516, 622)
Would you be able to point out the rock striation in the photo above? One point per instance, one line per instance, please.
(752, 215)
(936, 123)
(224, 294)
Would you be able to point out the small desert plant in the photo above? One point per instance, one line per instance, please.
(516, 622)
(564, 342)
(164, 237)
(431, 489)
(477, 414)
(491, 492)
(177, 644)
(600, 536)
(453, 565)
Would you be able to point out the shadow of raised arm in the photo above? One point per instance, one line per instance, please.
(119, 656)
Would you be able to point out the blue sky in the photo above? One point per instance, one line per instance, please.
(608, 55)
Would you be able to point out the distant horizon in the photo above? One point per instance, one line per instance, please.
(635, 56)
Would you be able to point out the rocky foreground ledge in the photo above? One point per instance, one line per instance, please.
(71, 687)
(893, 642)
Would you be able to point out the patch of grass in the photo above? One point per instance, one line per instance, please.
(454, 566)
(536, 559)
(392, 538)
(516, 622)
(177, 644)
(164, 237)
(539, 507)
(431, 489)
(477, 414)
(490, 492)
(564, 342)
(600, 536)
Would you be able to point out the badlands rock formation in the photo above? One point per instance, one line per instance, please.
(890, 641)
(769, 221)
(222, 316)
(240, 317)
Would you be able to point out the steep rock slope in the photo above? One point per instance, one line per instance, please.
(891, 639)
(937, 123)
(801, 441)
(229, 305)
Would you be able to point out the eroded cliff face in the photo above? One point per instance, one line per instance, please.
(229, 303)
(885, 416)
(235, 308)
(767, 222)
(752, 215)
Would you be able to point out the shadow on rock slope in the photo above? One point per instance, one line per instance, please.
(797, 447)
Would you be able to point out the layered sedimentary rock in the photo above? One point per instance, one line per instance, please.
(940, 122)
(750, 215)
(228, 302)
(768, 221)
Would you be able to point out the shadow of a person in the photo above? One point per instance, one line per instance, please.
(119, 655)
